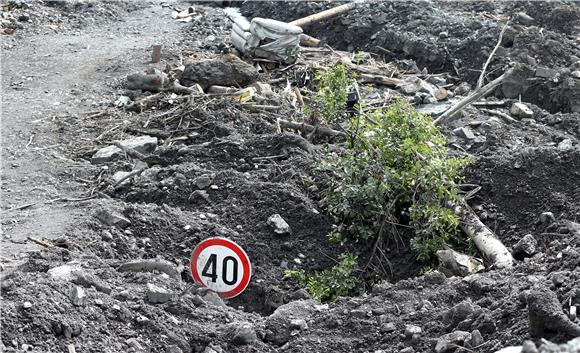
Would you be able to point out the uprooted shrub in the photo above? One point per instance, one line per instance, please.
(394, 172)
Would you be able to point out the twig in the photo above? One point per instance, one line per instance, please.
(40, 242)
(130, 175)
(482, 75)
(29, 141)
(500, 114)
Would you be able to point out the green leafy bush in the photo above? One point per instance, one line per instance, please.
(329, 284)
(394, 172)
(328, 102)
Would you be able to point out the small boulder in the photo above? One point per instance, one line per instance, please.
(412, 331)
(465, 133)
(202, 182)
(141, 144)
(243, 333)
(279, 224)
(526, 247)
(450, 341)
(226, 71)
(454, 263)
(285, 320)
(158, 295)
(112, 218)
(78, 296)
(520, 110)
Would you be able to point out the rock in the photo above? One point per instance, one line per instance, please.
(150, 265)
(202, 182)
(243, 334)
(158, 295)
(112, 218)
(522, 111)
(573, 227)
(64, 272)
(263, 89)
(464, 132)
(173, 349)
(106, 235)
(547, 217)
(529, 347)
(78, 296)
(279, 224)
(526, 247)
(463, 89)
(88, 280)
(279, 324)
(453, 263)
(118, 176)
(142, 144)
(436, 108)
(388, 327)
(476, 338)
(545, 312)
(27, 305)
(458, 313)
(298, 324)
(575, 73)
(565, 145)
(545, 72)
(213, 298)
(133, 342)
(412, 331)
(226, 71)
(450, 341)
(524, 19)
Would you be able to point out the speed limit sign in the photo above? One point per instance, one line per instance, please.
(222, 266)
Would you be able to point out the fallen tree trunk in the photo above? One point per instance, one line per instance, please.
(485, 240)
(477, 94)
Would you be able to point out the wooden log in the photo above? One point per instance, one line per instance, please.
(326, 14)
(381, 80)
(485, 240)
(156, 53)
(309, 41)
(477, 94)
(306, 128)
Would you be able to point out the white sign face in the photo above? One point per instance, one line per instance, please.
(222, 266)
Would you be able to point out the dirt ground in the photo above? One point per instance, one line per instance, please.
(221, 169)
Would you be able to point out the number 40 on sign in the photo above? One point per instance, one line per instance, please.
(222, 266)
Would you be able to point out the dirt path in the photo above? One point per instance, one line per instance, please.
(63, 75)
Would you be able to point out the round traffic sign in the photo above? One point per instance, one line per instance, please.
(222, 266)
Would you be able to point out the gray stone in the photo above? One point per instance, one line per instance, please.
(529, 347)
(412, 331)
(545, 72)
(243, 334)
(279, 224)
(298, 324)
(64, 272)
(525, 19)
(526, 247)
(565, 145)
(213, 298)
(27, 305)
(78, 296)
(388, 327)
(118, 176)
(435, 108)
(106, 235)
(476, 338)
(546, 217)
(202, 182)
(150, 265)
(173, 349)
(112, 218)
(142, 144)
(462, 89)
(158, 295)
(279, 325)
(450, 341)
(263, 89)
(458, 313)
(575, 73)
(464, 132)
(87, 280)
(522, 111)
(133, 342)
(453, 263)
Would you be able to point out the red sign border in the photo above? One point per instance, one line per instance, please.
(235, 248)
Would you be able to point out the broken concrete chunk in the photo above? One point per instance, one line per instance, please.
(202, 182)
(226, 71)
(150, 265)
(78, 296)
(279, 224)
(279, 324)
(243, 333)
(142, 144)
(450, 341)
(64, 273)
(158, 295)
(545, 72)
(526, 247)
(118, 176)
(112, 219)
(524, 18)
(464, 132)
(522, 111)
(412, 331)
(457, 264)
(546, 217)
(565, 145)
